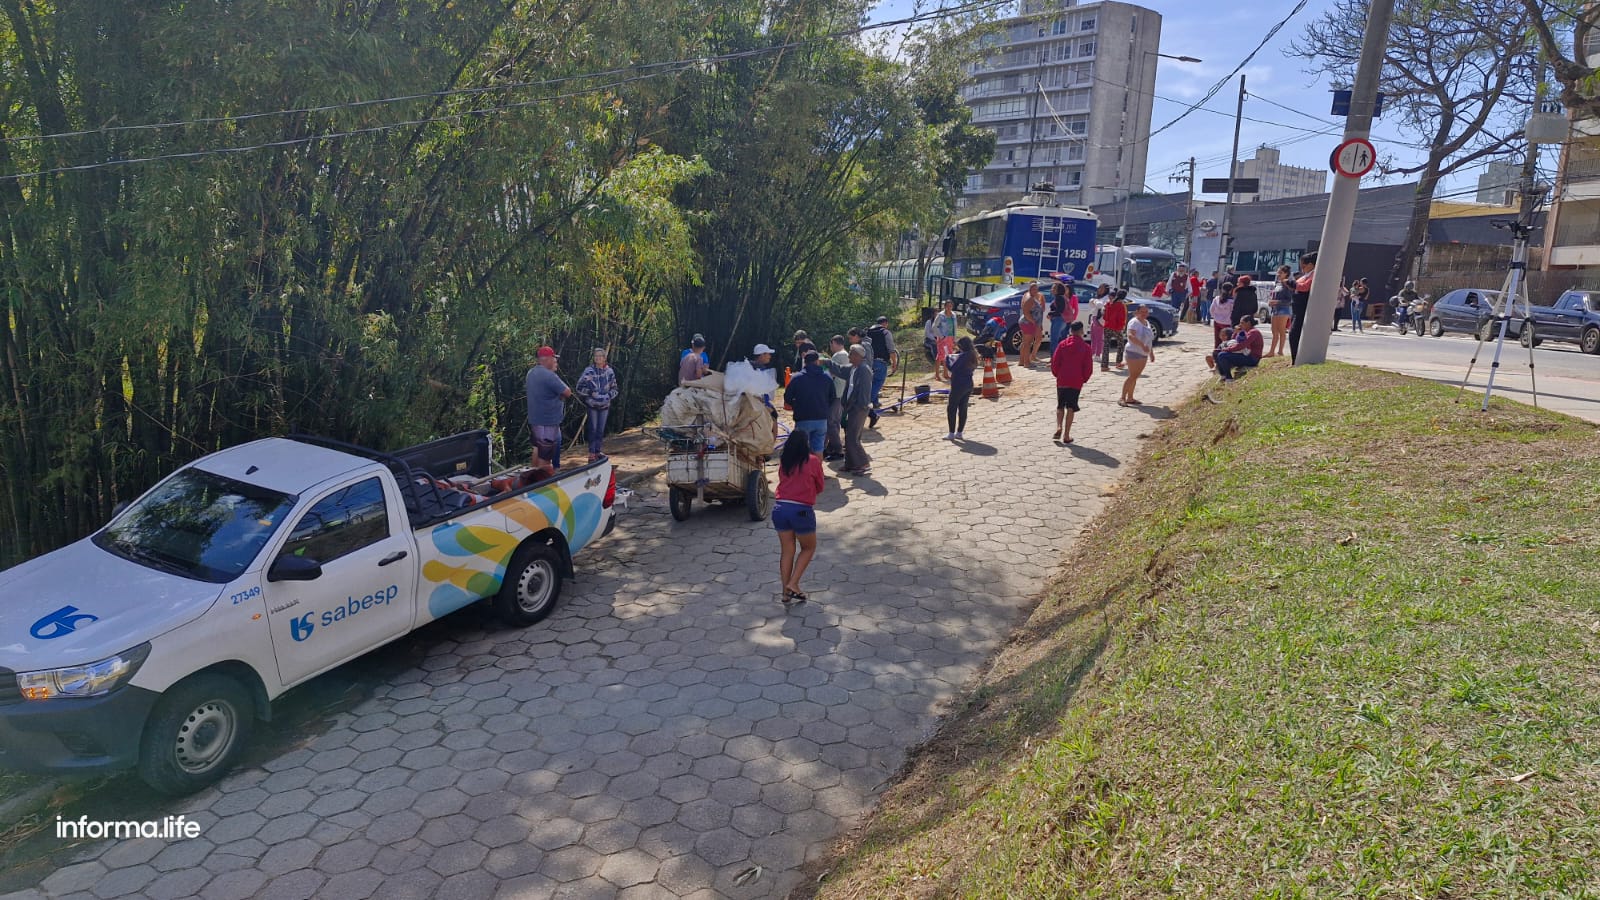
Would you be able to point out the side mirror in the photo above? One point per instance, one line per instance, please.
(294, 568)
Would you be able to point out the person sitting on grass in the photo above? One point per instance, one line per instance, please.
(1242, 350)
(1211, 358)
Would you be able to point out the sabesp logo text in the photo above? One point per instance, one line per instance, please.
(301, 628)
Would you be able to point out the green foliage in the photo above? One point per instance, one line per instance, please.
(384, 271)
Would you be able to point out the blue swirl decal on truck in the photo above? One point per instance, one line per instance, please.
(60, 623)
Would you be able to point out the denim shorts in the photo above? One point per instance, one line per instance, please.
(799, 518)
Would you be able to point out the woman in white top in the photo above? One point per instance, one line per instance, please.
(1141, 349)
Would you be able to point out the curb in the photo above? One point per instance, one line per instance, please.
(14, 808)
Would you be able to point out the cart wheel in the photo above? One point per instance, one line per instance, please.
(757, 495)
(679, 500)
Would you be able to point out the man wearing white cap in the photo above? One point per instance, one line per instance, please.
(761, 358)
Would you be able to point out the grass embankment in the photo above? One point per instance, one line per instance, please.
(1338, 637)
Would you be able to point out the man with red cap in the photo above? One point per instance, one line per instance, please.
(546, 391)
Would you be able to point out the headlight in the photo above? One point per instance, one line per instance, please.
(89, 680)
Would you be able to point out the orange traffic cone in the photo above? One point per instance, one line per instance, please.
(991, 391)
(787, 374)
(1002, 371)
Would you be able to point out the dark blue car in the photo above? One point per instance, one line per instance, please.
(1007, 301)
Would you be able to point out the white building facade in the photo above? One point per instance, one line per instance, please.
(1087, 131)
(1572, 229)
(1278, 181)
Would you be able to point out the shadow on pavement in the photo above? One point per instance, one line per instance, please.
(1092, 456)
(1157, 412)
(866, 484)
(976, 448)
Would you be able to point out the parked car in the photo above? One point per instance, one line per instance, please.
(1008, 302)
(1574, 318)
(157, 641)
(1163, 316)
(1468, 311)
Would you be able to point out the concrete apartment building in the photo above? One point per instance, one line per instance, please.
(1572, 232)
(1278, 181)
(1499, 185)
(1087, 132)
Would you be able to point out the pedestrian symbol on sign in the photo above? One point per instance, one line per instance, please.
(1354, 158)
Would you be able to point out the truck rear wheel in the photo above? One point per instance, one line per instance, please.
(195, 733)
(531, 587)
(1590, 342)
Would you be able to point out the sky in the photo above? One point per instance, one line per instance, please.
(1280, 92)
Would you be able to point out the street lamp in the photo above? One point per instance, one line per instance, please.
(1128, 193)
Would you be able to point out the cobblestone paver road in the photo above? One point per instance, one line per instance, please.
(670, 728)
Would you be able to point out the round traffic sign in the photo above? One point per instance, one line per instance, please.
(1355, 158)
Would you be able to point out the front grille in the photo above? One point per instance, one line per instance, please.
(9, 692)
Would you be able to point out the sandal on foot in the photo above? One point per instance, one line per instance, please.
(794, 597)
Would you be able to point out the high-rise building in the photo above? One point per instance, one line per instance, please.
(1572, 231)
(1067, 88)
(1497, 185)
(1278, 181)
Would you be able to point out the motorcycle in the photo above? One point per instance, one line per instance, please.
(1419, 315)
(1399, 313)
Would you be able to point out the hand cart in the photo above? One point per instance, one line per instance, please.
(702, 465)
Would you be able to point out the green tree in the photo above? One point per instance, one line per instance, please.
(1459, 74)
(380, 272)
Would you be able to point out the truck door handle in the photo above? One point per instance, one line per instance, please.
(392, 558)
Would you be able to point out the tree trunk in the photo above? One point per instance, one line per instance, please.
(1417, 231)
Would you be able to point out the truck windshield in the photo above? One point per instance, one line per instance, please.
(197, 525)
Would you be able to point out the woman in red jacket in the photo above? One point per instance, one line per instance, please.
(794, 514)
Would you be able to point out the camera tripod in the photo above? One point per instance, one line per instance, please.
(1514, 290)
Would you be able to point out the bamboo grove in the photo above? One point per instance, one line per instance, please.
(210, 231)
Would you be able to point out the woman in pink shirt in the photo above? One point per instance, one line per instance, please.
(794, 515)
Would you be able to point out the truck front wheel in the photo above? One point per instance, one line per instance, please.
(531, 587)
(1591, 340)
(195, 733)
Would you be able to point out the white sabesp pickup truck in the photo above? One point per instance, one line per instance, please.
(155, 642)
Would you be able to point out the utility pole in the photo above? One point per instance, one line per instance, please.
(1233, 172)
(1033, 120)
(1188, 213)
(1335, 245)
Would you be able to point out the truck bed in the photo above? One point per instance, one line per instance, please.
(450, 476)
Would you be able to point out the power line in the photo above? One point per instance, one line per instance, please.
(1318, 119)
(1215, 88)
